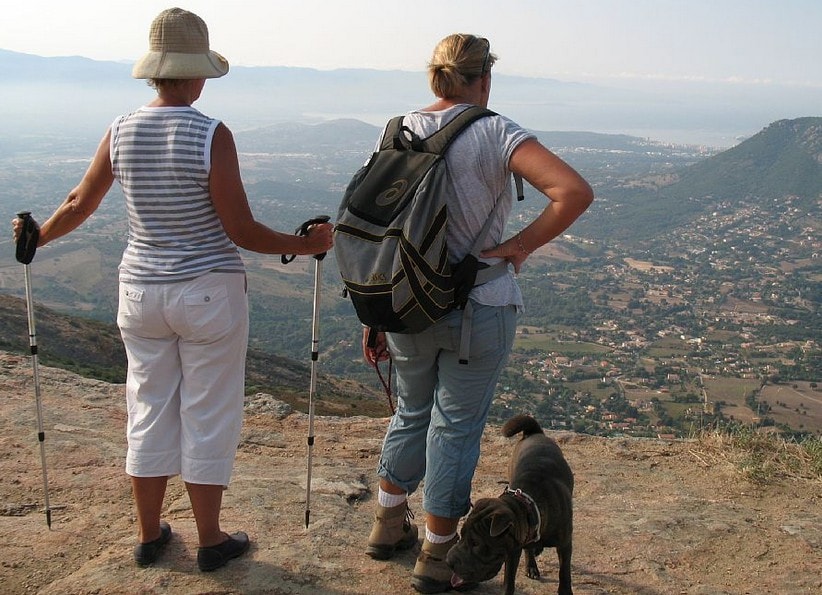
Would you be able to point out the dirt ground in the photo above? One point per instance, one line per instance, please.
(651, 517)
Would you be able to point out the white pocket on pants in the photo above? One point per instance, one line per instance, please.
(130, 307)
(208, 312)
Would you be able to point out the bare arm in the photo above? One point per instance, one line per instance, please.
(84, 199)
(231, 203)
(568, 193)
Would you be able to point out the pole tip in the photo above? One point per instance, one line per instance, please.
(307, 515)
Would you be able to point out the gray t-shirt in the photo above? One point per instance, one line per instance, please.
(477, 163)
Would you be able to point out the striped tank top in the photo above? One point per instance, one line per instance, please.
(161, 156)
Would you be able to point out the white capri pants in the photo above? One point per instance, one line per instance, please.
(186, 345)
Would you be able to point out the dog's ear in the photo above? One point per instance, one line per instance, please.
(499, 524)
(480, 504)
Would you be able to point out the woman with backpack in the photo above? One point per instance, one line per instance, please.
(442, 404)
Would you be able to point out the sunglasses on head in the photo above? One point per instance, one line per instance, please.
(487, 52)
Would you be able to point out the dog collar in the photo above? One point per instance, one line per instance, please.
(534, 518)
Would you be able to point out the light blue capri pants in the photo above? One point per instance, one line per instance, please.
(186, 344)
(442, 406)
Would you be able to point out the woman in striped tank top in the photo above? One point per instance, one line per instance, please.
(183, 310)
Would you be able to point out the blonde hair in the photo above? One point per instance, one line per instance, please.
(458, 60)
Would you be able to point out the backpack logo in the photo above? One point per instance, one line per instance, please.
(392, 194)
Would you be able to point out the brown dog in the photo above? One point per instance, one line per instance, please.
(534, 512)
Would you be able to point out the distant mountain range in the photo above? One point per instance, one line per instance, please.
(81, 96)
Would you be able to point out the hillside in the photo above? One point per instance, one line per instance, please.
(652, 517)
(95, 350)
(79, 344)
(783, 160)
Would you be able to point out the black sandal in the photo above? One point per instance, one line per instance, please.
(147, 553)
(215, 556)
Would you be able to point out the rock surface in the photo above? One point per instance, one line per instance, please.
(651, 517)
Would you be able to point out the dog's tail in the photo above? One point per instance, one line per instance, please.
(521, 423)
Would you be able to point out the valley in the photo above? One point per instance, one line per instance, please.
(657, 314)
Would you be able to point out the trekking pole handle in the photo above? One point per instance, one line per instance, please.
(302, 230)
(27, 240)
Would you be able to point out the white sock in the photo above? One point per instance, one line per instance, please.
(434, 538)
(390, 500)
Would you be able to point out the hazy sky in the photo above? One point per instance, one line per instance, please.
(761, 41)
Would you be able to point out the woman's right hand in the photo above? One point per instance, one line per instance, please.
(377, 353)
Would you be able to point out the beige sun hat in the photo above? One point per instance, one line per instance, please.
(178, 49)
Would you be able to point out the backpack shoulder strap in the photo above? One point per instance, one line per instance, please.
(441, 139)
(392, 132)
(437, 142)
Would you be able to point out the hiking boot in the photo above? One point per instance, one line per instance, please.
(431, 573)
(392, 530)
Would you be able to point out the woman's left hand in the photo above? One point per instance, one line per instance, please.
(509, 251)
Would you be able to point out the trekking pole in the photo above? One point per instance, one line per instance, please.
(315, 355)
(25, 249)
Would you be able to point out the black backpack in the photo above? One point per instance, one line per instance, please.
(390, 233)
